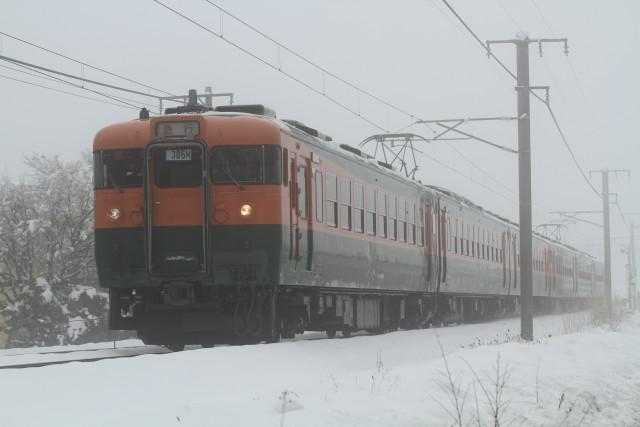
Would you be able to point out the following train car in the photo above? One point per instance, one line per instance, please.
(229, 225)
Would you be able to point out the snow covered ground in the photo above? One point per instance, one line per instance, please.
(589, 378)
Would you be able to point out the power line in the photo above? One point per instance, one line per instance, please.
(312, 63)
(267, 63)
(319, 67)
(506, 69)
(112, 97)
(546, 23)
(95, 82)
(45, 76)
(452, 169)
(67, 93)
(83, 63)
(566, 144)
(480, 42)
(624, 220)
(511, 17)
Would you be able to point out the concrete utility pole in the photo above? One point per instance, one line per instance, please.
(632, 269)
(524, 171)
(607, 233)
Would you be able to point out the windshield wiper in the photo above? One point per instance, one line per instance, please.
(227, 172)
(113, 182)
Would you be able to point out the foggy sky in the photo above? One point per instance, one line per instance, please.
(411, 53)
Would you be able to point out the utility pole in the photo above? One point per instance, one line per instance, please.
(607, 234)
(524, 171)
(632, 269)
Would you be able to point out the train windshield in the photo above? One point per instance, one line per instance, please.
(117, 168)
(246, 164)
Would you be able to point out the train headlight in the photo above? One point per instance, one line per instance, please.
(245, 210)
(114, 214)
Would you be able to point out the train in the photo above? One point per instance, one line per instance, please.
(230, 225)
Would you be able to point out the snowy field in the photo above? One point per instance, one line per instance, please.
(571, 375)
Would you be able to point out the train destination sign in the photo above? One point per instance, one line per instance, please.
(178, 154)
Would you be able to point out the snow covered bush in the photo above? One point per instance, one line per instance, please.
(48, 283)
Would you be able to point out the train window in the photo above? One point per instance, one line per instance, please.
(358, 208)
(411, 223)
(285, 169)
(450, 234)
(246, 164)
(371, 211)
(420, 226)
(345, 203)
(302, 191)
(473, 242)
(319, 196)
(332, 200)
(402, 221)
(382, 213)
(392, 221)
(186, 172)
(118, 168)
(455, 238)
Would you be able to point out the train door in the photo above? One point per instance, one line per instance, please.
(176, 200)
(437, 230)
(547, 271)
(294, 217)
(442, 237)
(575, 274)
(299, 213)
(514, 259)
(503, 258)
(304, 214)
(506, 261)
(434, 247)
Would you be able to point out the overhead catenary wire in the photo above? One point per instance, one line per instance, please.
(546, 23)
(624, 220)
(77, 61)
(67, 93)
(270, 65)
(467, 177)
(312, 63)
(44, 76)
(37, 69)
(75, 77)
(566, 143)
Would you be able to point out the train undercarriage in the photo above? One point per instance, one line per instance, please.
(181, 313)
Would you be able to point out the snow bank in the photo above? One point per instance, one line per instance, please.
(590, 377)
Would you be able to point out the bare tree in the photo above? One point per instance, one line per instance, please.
(494, 394)
(47, 273)
(452, 387)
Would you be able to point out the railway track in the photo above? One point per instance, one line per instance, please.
(64, 356)
(47, 358)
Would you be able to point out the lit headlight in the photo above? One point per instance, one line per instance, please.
(114, 214)
(245, 210)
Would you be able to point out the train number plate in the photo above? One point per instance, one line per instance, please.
(178, 155)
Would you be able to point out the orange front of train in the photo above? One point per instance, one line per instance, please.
(185, 205)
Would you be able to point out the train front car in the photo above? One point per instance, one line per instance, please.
(188, 236)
